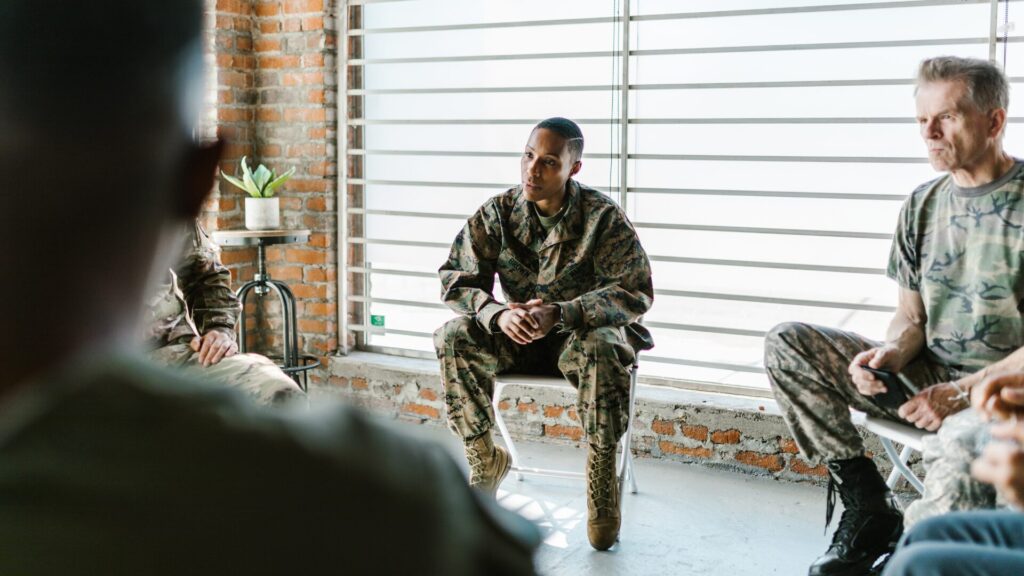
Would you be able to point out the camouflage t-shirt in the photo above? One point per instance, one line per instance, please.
(961, 249)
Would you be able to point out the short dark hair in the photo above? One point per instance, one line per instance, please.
(566, 129)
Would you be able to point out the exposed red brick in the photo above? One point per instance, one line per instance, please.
(321, 309)
(339, 381)
(428, 394)
(767, 461)
(307, 325)
(268, 45)
(315, 275)
(788, 445)
(285, 273)
(680, 450)
(313, 23)
(303, 6)
(699, 433)
(421, 410)
(663, 427)
(504, 405)
(530, 407)
(553, 411)
(305, 256)
(561, 431)
(800, 466)
(731, 436)
(264, 9)
(360, 384)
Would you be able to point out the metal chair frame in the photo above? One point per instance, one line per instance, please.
(624, 466)
(890, 433)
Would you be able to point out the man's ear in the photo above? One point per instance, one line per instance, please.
(575, 168)
(199, 173)
(997, 122)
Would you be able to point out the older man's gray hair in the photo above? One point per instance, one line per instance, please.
(987, 88)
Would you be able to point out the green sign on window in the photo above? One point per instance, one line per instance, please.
(377, 320)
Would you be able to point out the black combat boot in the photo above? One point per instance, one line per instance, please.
(871, 523)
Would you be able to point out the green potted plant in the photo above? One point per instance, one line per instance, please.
(262, 208)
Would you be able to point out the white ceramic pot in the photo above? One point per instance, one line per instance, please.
(262, 213)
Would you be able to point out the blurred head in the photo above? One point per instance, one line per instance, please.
(961, 111)
(98, 104)
(551, 157)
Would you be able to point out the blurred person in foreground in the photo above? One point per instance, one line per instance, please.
(111, 465)
(576, 281)
(956, 258)
(988, 543)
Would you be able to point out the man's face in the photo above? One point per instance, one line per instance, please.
(546, 165)
(956, 132)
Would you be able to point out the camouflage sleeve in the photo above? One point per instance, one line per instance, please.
(904, 265)
(623, 273)
(467, 277)
(206, 285)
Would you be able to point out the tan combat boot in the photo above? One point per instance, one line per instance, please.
(488, 464)
(603, 516)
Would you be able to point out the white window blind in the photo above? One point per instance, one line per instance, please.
(770, 145)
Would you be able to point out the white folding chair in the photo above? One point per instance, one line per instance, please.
(624, 466)
(890, 432)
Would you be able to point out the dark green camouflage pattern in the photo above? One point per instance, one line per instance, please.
(590, 263)
(961, 249)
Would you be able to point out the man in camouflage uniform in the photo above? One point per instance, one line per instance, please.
(191, 323)
(956, 256)
(576, 281)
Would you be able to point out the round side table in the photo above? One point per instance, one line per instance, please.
(293, 363)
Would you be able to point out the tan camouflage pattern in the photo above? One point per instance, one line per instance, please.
(590, 263)
(807, 368)
(197, 293)
(596, 361)
(197, 299)
(947, 457)
(961, 249)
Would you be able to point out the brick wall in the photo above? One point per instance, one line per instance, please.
(275, 97)
(688, 427)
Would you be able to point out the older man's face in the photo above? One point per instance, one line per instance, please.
(956, 133)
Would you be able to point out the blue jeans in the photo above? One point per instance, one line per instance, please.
(962, 543)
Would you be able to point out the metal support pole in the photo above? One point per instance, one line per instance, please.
(993, 30)
(624, 108)
(342, 191)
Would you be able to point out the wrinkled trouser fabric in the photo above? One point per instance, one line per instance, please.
(807, 367)
(962, 544)
(255, 375)
(596, 361)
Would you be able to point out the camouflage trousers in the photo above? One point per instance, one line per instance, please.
(947, 456)
(807, 367)
(252, 374)
(595, 361)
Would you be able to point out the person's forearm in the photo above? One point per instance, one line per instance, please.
(906, 334)
(1012, 363)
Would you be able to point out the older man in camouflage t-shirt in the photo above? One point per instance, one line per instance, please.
(956, 255)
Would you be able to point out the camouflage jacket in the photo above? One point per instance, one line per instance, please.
(591, 263)
(196, 297)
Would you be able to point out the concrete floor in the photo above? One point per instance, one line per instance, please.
(685, 519)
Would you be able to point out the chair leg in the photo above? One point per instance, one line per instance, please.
(499, 387)
(899, 464)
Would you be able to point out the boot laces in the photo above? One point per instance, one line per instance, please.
(477, 461)
(602, 468)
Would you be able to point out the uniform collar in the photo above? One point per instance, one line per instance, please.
(527, 229)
